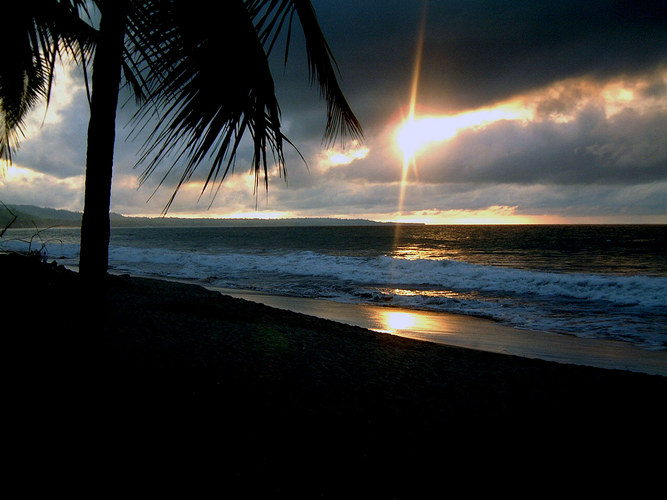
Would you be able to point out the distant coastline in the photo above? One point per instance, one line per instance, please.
(30, 216)
(34, 217)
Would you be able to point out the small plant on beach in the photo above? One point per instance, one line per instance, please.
(37, 245)
(13, 217)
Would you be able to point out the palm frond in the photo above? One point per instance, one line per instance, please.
(24, 78)
(40, 31)
(208, 84)
(341, 121)
(212, 80)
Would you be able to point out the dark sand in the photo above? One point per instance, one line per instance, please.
(181, 386)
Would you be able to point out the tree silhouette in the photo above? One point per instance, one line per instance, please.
(198, 69)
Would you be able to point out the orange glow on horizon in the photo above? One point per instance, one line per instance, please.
(258, 215)
(488, 216)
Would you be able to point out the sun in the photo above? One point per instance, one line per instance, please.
(416, 133)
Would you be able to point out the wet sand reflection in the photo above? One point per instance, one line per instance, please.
(402, 322)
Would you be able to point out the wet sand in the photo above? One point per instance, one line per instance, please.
(474, 333)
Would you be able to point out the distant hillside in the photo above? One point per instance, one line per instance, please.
(30, 216)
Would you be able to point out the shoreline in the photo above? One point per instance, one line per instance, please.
(470, 332)
(458, 330)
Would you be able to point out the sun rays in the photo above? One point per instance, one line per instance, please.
(406, 145)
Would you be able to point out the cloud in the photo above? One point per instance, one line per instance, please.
(574, 132)
(55, 141)
(623, 150)
(25, 186)
(481, 52)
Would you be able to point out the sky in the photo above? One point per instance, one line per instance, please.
(483, 111)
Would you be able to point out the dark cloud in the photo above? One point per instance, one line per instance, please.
(478, 52)
(491, 50)
(592, 149)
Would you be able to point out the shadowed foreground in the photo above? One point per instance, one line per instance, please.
(150, 379)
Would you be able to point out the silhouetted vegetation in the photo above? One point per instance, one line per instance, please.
(36, 243)
(10, 219)
(170, 55)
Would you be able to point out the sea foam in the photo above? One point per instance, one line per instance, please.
(625, 307)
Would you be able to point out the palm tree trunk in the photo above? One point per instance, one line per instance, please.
(95, 225)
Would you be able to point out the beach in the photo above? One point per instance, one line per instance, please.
(169, 373)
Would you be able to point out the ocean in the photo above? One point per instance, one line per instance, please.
(590, 281)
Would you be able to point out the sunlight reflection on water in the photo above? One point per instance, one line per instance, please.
(398, 322)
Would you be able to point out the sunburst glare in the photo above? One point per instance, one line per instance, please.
(407, 157)
(395, 321)
(416, 133)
